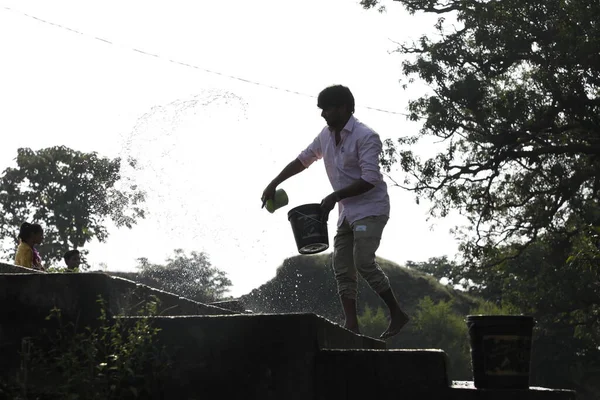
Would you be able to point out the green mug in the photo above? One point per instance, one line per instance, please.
(280, 200)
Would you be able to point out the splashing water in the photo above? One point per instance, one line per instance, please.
(180, 150)
(191, 156)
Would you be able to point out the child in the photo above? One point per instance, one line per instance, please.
(27, 255)
(72, 259)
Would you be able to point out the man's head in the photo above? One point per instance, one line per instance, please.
(72, 259)
(337, 103)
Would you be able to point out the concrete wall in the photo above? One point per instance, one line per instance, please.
(15, 269)
(250, 356)
(257, 356)
(27, 299)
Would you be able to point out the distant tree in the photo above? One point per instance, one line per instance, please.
(372, 323)
(70, 193)
(191, 276)
(484, 282)
(438, 326)
(439, 267)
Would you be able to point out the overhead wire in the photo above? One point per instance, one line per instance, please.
(187, 65)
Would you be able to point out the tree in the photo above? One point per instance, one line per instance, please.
(70, 193)
(190, 276)
(439, 267)
(483, 282)
(438, 326)
(514, 106)
(372, 323)
(515, 103)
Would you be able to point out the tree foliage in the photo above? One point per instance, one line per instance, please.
(515, 104)
(440, 327)
(119, 358)
(70, 193)
(514, 107)
(372, 322)
(191, 276)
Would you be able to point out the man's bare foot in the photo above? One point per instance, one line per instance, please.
(353, 328)
(397, 322)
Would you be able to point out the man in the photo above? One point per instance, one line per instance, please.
(351, 152)
(72, 259)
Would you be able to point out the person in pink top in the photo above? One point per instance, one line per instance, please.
(350, 151)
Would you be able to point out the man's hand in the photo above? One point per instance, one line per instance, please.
(327, 205)
(268, 194)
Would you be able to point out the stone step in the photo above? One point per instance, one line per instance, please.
(407, 375)
(27, 299)
(465, 390)
(454, 392)
(350, 374)
(252, 355)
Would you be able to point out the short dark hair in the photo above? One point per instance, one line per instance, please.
(70, 254)
(335, 96)
(27, 229)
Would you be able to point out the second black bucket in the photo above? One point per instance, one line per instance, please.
(500, 350)
(310, 233)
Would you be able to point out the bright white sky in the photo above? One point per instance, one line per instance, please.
(209, 144)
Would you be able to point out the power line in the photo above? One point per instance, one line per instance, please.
(189, 65)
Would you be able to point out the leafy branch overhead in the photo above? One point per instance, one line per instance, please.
(70, 193)
(515, 109)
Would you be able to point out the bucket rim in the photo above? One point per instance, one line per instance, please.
(321, 248)
(306, 205)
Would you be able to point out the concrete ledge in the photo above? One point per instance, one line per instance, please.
(457, 391)
(266, 356)
(233, 305)
(343, 373)
(16, 269)
(466, 390)
(127, 296)
(76, 294)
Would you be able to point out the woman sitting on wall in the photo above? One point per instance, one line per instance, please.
(30, 235)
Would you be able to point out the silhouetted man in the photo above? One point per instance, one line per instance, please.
(351, 152)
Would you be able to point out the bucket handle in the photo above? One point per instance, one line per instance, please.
(316, 220)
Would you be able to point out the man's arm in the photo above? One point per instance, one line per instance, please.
(354, 189)
(293, 168)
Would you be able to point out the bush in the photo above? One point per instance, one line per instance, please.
(117, 360)
(372, 323)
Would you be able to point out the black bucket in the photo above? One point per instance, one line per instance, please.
(500, 350)
(309, 230)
